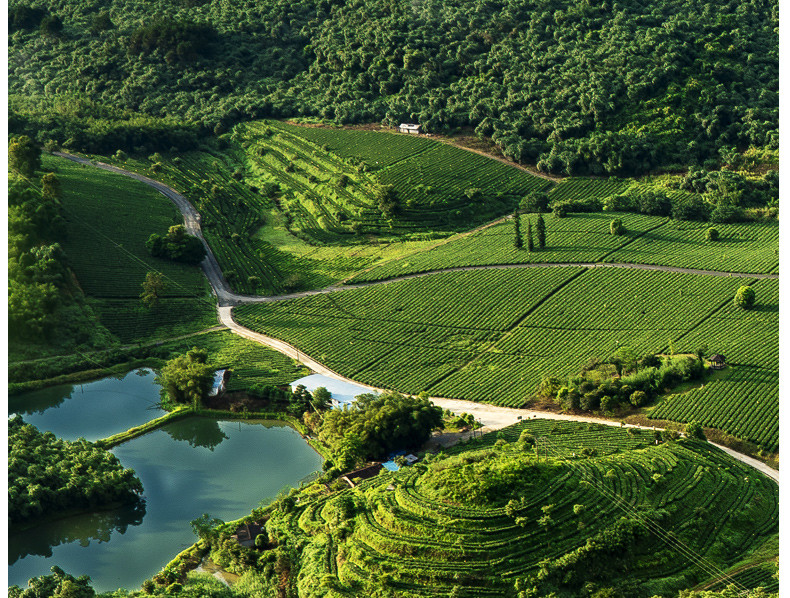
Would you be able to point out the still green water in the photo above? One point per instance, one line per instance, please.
(189, 467)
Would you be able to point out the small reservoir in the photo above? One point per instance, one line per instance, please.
(189, 467)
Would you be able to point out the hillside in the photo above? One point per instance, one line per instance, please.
(541, 507)
(616, 88)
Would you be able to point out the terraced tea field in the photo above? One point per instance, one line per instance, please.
(485, 521)
(437, 186)
(109, 218)
(490, 335)
(576, 238)
(750, 247)
(744, 399)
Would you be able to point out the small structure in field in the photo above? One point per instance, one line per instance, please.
(362, 474)
(717, 362)
(409, 128)
(247, 533)
(221, 378)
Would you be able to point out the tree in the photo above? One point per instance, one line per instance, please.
(638, 398)
(535, 201)
(517, 241)
(50, 187)
(388, 201)
(530, 242)
(24, 156)
(205, 527)
(177, 245)
(187, 378)
(540, 231)
(153, 287)
(694, 430)
(745, 297)
(712, 234)
(616, 227)
(322, 398)
(51, 25)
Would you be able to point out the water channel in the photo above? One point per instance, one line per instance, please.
(189, 467)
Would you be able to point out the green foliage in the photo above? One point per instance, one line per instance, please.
(375, 425)
(530, 240)
(187, 378)
(506, 71)
(58, 584)
(518, 242)
(540, 231)
(177, 245)
(153, 287)
(712, 234)
(49, 476)
(616, 227)
(482, 521)
(745, 401)
(24, 156)
(745, 297)
(694, 430)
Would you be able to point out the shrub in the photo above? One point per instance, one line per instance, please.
(560, 210)
(691, 208)
(616, 227)
(712, 234)
(537, 201)
(619, 203)
(723, 214)
(638, 398)
(745, 297)
(608, 403)
(654, 204)
(694, 430)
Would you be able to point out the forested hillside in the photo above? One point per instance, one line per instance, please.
(574, 87)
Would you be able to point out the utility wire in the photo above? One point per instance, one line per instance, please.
(667, 536)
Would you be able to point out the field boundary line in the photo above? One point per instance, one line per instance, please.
(508, 330)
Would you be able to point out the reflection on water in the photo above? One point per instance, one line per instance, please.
(81, 529)
(94, 410)
(188, 467)
(197, 431)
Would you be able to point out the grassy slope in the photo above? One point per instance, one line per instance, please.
(105, 211)
(422, 538)
(490, 335)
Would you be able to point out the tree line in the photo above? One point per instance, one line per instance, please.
(574, 88)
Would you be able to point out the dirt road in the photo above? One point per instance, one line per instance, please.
(491, 416)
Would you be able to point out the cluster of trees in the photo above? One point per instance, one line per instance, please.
(574, 88)
(58, 584)
(184, 41)
(177, 245)
(187, 378)
(43, 300)
(540, 233)
(719, 197)
(375, 425)
(622, 380)
(48, 475)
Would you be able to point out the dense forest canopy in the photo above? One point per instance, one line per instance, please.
(575, 87)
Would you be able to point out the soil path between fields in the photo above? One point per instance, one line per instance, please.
(492, 417)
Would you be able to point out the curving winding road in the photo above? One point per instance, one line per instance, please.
(491, 416)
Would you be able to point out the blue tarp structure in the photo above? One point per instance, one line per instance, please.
(342, 392)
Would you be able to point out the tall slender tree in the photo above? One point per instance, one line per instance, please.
(540, 231)
(530, 242)
(517, 241)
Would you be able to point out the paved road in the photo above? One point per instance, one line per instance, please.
(491, 416)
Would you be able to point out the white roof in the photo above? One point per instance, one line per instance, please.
(409, 126)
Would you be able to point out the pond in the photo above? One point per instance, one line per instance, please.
(92, 410)
(189, 467)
